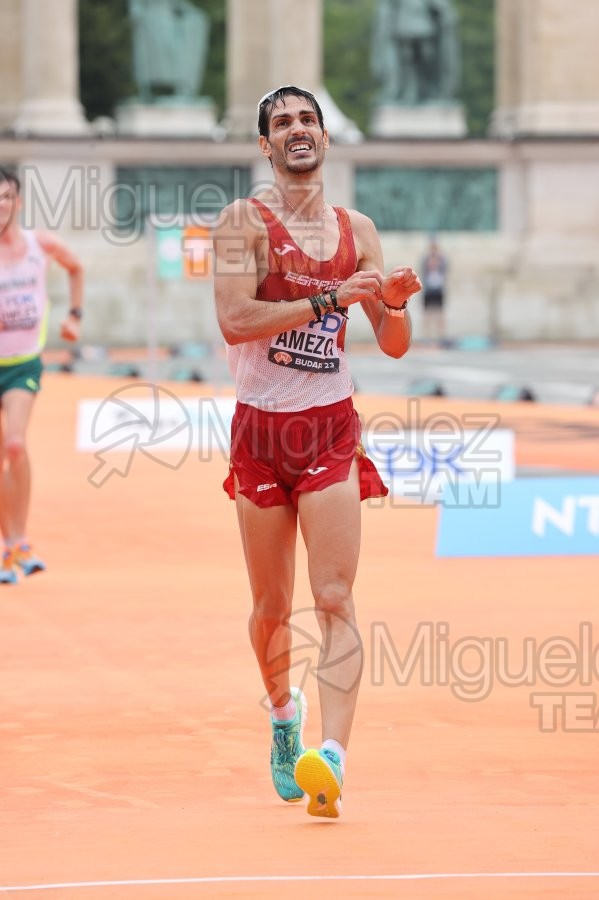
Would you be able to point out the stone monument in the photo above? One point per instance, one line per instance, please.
(416, 64)
(170, 49)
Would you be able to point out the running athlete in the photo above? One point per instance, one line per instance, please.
(23, 318)
(289, 267)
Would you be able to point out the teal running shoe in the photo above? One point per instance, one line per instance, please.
(27, 561)
(286, 748)
(8, 574)
(319, 774)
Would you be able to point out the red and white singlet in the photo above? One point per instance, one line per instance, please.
(305, 366)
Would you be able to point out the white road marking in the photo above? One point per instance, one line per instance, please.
(241, 879)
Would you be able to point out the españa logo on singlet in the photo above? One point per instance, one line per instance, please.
(306, 349)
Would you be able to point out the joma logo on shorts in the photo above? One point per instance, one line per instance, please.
(266, 487)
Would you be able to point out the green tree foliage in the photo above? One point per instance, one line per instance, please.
(214, 84)
(477, 18)
(347, 40)
(105, 73)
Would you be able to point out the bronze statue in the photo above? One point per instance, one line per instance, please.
(170, 46)
(415, 53)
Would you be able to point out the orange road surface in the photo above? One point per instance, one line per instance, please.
(134, 753)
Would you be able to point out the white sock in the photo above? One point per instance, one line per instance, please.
(284, 713)
(336, 747)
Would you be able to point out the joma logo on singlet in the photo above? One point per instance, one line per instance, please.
(287, 248)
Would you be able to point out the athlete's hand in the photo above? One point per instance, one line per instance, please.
(70, 329)
(360, 286)
(399, 285)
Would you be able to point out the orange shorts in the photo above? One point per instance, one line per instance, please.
(275, 456)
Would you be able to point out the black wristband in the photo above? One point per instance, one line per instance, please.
(76, 312)
(324, 304)
(342, 310)
(316, 308)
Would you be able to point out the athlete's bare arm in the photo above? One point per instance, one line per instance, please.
(58, 250)
(393, 333)
(237, 244)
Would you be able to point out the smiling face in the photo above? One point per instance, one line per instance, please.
(295, 143)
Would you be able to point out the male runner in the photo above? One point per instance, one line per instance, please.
(288, 268)
(23, 319)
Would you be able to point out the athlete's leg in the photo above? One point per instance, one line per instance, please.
(330, 523)
(440, 323)
(436, 329)
(4, 519)
(269, 537)
(17, 405)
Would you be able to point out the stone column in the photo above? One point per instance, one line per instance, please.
(50, 73)
(269, 43)
(507, 65)
(10, 63)
(248, 71)
(297, 60)
(548, 68)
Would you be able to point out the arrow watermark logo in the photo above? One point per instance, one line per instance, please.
(128, 421)
(324, 645)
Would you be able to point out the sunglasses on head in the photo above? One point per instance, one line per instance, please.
(284, 87)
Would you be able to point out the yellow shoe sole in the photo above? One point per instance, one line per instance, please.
(318, 781)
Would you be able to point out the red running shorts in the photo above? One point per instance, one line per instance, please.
(277, 455)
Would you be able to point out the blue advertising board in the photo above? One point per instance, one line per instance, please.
(534, 517)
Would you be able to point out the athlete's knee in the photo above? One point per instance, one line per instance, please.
(13, 449)
(271, 611)
(335, 598)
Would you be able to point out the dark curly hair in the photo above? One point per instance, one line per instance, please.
(269, 101)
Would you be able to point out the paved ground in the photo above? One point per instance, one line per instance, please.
(567, 374)
(558, 374)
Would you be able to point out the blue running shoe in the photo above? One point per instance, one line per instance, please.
(319, 774)
(25, 558)
(286, 748)
(8, 573)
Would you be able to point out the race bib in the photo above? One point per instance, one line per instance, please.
(309, 348)
(19, 313)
